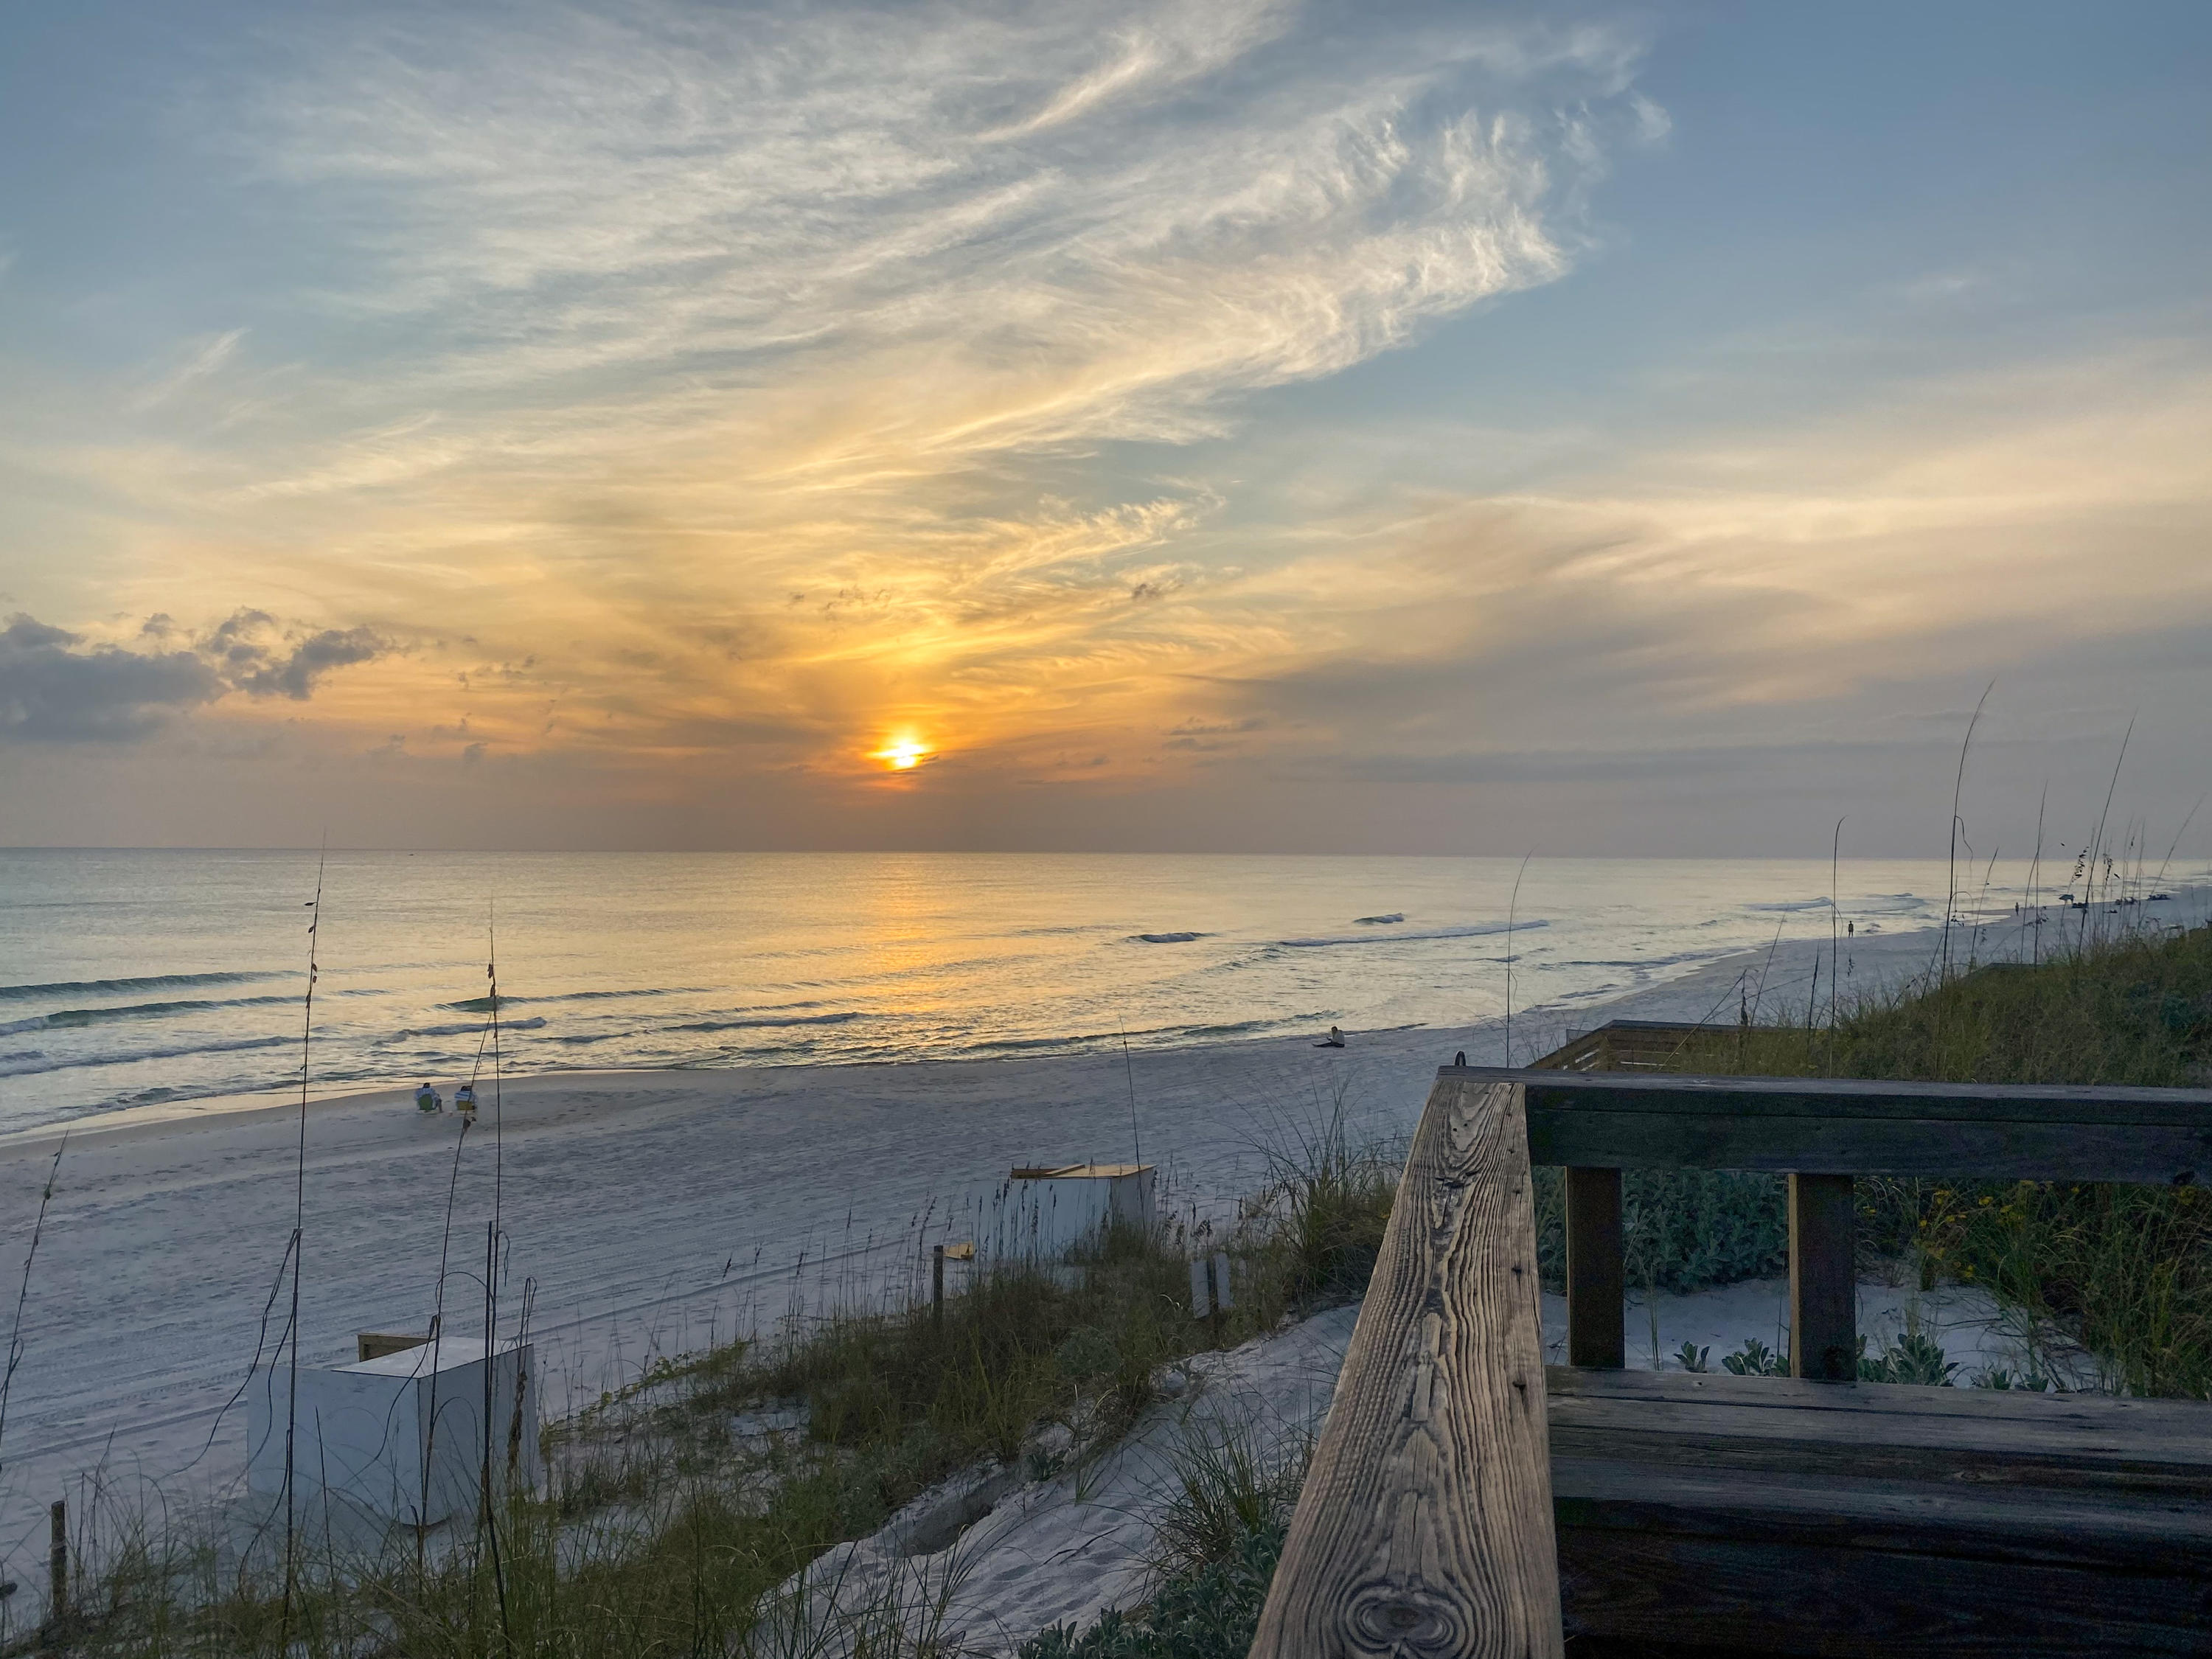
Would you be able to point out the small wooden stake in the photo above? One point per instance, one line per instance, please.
(58, 1596)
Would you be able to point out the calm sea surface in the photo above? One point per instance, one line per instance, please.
(127, 979)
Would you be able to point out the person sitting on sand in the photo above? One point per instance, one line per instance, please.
(464, 1101)
(1333, 1040)
(427, 1100)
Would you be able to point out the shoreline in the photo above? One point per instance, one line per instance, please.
(1783, 968)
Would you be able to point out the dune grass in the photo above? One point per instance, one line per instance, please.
(675, 1516)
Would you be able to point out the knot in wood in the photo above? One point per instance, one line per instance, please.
(1406, 1620)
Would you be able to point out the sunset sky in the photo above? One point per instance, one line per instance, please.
(1244, 425)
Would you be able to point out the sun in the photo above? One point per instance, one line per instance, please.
(902, 753)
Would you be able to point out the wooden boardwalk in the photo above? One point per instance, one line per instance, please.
(1773, 1515)
(1464, 1500)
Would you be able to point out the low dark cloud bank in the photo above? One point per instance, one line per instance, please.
(55, 688)
(253, 663)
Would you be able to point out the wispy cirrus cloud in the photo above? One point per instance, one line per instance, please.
(864, 239)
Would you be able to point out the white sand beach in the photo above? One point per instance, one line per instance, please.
(646, 1213)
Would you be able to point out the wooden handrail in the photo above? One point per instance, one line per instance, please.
(1856, 1126)
(1821, 1132)
(1426, 1525)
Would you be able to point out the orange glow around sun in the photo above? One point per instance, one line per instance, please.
(902, 753)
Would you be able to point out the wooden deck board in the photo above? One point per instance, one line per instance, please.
(1792, 1516)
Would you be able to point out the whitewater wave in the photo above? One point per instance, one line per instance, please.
(94, 987)
(469, 1030)
(1472, 930)
(766, 1024)
(1892, 903)
(1243, 1027)
(482, 1005)
(29, 1068)
(1884, 904)
(64, 1018)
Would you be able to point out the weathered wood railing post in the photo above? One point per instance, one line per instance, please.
(1425, 1526)
(1597, 1322)
(1823, 1278)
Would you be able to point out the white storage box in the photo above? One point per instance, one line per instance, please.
(1049, 1212)
(400, 1438)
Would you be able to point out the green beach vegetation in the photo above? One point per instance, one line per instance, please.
(675, 1516)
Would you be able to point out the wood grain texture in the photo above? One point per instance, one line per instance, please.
(2153, 1155)
(1960, 1520)
(2181, 1429)
(1852, 1126)
(1874, 1519)
(1668, 1092)
(1775, 1596)
(1424, 1525)
(1597, 1325)
(2000, 1457)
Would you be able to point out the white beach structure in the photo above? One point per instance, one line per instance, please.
(399, 1438)
(1049, 1212)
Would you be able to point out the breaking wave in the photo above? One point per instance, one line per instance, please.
(1472, 930)
(133, 1057)
(64, 1018)
(94, 987)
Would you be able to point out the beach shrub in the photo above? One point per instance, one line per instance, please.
(1229, 1483)
(1913, 1357)
(1209, 1611)
(1087, 1356)
(1755, 1358)
(1681, 1229)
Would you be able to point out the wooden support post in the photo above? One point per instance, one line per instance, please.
(1596, 1321)
(937, 1285)
(1424, 1525)
(1823, 1278)
(58, 1574)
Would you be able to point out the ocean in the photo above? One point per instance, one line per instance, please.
(131, 979)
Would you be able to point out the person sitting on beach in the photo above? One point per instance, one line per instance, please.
(464, 1101)
(427, 1100)
(1333, 1040)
